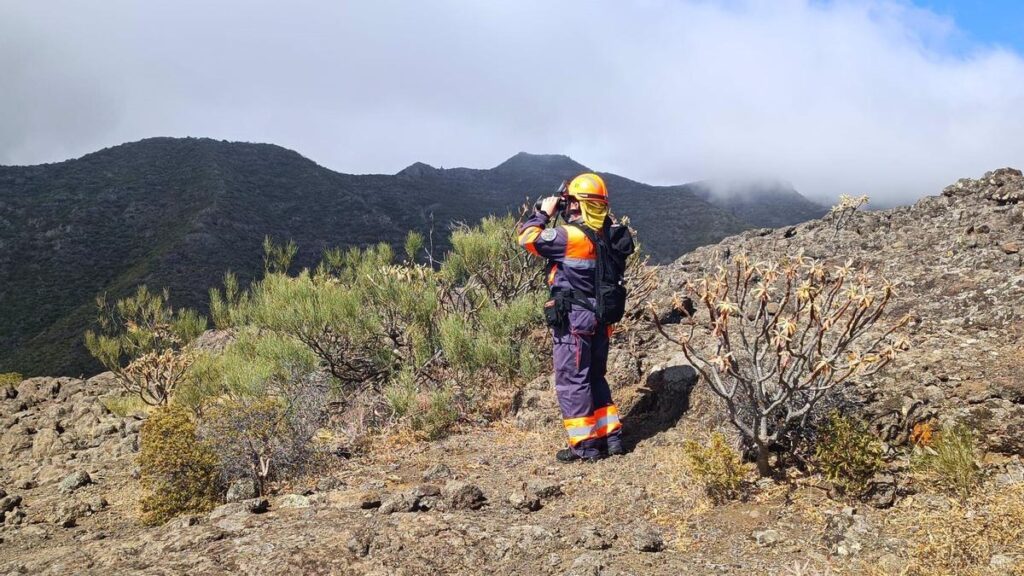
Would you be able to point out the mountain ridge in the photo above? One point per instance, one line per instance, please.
(179, 212)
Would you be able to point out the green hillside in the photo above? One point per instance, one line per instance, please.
(178, 213)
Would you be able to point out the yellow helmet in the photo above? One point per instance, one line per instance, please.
(588, 187)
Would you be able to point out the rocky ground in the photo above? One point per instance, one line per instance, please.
(491, 500)
(958, 262)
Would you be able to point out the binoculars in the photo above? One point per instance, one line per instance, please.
(563, 198)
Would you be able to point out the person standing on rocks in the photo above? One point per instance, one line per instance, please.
(582, 255)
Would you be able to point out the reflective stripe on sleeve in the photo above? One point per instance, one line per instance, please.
(580, 263)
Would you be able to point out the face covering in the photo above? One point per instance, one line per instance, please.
(594, 213)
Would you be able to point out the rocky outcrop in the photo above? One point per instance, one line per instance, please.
(958, 273)
(1003, 186)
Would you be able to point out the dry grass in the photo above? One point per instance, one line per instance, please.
(963, 539)
(121, 405)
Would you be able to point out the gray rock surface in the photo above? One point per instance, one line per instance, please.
(74, 481)
(647, 538)
(462, 496)
(241, 489)
(293, 501)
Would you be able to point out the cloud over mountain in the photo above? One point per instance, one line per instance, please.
(849, 96)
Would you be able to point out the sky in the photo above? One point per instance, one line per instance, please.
(887, 98)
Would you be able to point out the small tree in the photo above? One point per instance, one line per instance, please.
(145, 343)
(843, 209)
(782, 337)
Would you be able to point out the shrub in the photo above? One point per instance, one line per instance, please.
(179, 473)
(10, 379)
(842, 210)
(400, 329)
(436, 415)
(494, 339)
(144, 342)
(641, 278)
(260, 404)
(277, 258)
(949, 462)
(488, 258)
(362, 316)
(224, 303)
(400, 395)
(717, 466)
(781, 337)
(848, 454)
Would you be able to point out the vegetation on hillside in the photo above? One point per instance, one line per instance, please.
(178, 213)
(364, 339)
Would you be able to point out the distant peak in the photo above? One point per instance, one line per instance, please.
(417, 169)
(537, 162)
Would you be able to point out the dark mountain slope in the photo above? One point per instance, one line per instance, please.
(178, 213)
(766, 204)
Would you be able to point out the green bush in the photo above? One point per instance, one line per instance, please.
(224, 303)
(10, 379)
(179, 473)
(717, 466)
(848, 454)
(260, 403)
(400, 395)
(379, 325)
(277, 258)
(487, 258)
(144, 342)
(949, 462)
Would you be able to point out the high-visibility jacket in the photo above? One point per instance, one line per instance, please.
(571, 255)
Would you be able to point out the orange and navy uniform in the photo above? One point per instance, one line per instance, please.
(580, 351)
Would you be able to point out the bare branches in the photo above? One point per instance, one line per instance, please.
(842, 211)
(777, 338)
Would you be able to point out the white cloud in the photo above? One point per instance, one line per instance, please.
(857, 97)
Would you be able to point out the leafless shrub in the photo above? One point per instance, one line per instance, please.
(782, 337)
(268, 436)
(843, 209)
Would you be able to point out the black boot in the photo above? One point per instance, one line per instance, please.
(566, 455)
(616, 450)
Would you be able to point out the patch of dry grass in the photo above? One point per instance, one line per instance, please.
(121, 405)
(964, 538)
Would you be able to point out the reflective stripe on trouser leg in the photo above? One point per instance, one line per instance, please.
(606, 421)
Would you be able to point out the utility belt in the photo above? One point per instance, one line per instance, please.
(558, 306)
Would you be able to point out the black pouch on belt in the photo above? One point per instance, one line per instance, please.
(556, 311)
